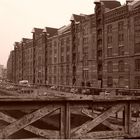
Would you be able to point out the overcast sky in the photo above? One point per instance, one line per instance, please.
(19, 17)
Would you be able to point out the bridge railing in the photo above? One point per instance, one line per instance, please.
(93, 90)
(78, 117)
(73, 89)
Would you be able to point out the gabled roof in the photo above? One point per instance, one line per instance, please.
(64, 29)
(111, 4)
(37, 30)
(16, 43)
(50, 31)
(76, 18)
(26, 39)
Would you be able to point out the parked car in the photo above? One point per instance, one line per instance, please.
(107, 92)
(23, 82)
(72, 90)
(85, 91)
(53, 87)
(10, 87)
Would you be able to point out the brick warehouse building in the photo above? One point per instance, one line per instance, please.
(10, 66)
(102, 49)
(40, 46)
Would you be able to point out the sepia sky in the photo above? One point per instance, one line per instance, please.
(19, 17)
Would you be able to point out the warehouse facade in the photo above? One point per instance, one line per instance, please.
(101, 50)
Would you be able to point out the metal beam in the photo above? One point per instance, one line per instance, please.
(26, 120)
(83, 129)
(65, 121)
(47, 118)
(106, 123)
(30, 128)
(103, 134)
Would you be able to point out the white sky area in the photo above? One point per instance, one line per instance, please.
(19, 17)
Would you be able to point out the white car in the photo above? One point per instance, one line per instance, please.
(107, 93)
(72, 90)
(54, 87)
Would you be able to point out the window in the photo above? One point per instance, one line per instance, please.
(92, 54)
(67, 69)
(137, 82)
(85, 41)
(137, 20)
(137, 48)
(62, 49)
(55, 51)
(55, 60)
(121, 66)
(99, 32)
(85, 30)
(137, 65)
(62, 59)
(73, 57)
(85, 63)
(121, 81)
(54, 69)
(137, 30)
(77, 28)
(50, 52)
(50, 80)
(55, 43)
(100, 68)
(78, 56)
(109, 39)
(50, 70)
(99, 22)
(67, 40)
(120, 38)
(109, 81)
(62, 41)
(62, 80)
(109, 52)
(120, 25)
(78, 41)
(99, 42)
(39, 59)
(109, 29)
(67, 47)
(109, 66)
(62, 69)
(50, 60)
(85, 49)
(99, 53)
(54, 79)
(68, 58)
(67, 80)
(121, 50)
(74, 69)
(85, 56)
(137, 34)
(85, 74)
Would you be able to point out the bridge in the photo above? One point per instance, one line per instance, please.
(65, 115)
